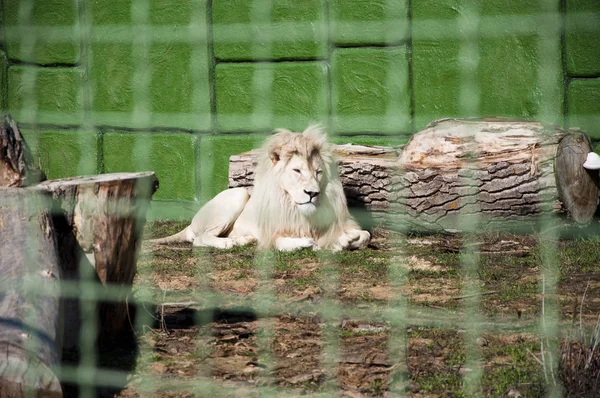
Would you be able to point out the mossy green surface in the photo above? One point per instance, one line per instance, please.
(582, 33)
(160, 80)
(43, 32)
(514, 74)
(584, 106)
(370, 90)
(62, 154)
(259, 97)
(257, 29)
(171, 156)
(3, 81)
(46, 95)
(359, 22)
(216, 151)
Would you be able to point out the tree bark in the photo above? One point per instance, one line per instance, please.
(106, 214)
(366, 173)
(493, 170)
(30, 315)
(16, 166)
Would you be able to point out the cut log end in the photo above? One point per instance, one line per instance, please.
(106, 214)
(577, 187)
(22, 375)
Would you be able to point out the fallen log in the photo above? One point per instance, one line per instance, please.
(106, 214)
(366, 173)
(30, 315)
(498, 170)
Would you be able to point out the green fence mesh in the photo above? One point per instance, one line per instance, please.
(179, 86)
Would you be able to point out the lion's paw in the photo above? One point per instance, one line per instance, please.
(224, 243)
(354, 239)
(290, 244)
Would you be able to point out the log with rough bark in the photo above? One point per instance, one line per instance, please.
(497, 170)
(16, 166)
(366, 173)
(30, 319)
(106, 214)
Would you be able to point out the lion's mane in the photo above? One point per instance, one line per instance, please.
(276, 214)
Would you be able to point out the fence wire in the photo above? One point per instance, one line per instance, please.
(399, 312)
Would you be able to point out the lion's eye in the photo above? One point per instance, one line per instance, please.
(297, 171)
(319, 172)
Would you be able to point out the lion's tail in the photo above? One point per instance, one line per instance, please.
(179, 237)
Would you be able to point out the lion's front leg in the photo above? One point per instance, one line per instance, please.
(354, 239)
(287, 244)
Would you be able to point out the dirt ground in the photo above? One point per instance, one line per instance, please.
(418, 316)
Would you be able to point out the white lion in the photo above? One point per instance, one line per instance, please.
(297, 202)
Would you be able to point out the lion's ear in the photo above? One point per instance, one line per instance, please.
(274, 155)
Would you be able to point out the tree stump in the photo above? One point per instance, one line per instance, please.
(30, 319)
(106, 214)
(498, 170)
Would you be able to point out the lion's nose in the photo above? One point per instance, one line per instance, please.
(311, 194)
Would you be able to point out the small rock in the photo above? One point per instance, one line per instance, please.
(250, 370)
(514, 393)
(482, 342)
(463, 371)
(159, 367)
(414, 387)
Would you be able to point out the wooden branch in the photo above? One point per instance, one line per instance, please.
(30, 319)
(16, 166)
(497, 170)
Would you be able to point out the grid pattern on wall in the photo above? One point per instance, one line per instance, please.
(195, 81)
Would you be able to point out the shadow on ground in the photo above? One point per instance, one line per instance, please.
(118, 352)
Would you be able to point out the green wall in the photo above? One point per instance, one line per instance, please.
(178, 86)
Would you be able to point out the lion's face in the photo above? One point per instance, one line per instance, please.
(302, 179)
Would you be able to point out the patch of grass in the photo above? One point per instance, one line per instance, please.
(522, 372)
(496, 261)
(451, 272)
(160, 229)
(246, 250)
(366, 265)
(170, 262)
(445, 384)
(579, 255)
(500, 380)
(345, 333)
(433, 254)
(231, 261)
(437, 361)
(377, 387)
(455, 357)
(302, 283)
(284, 257)
(520, 291)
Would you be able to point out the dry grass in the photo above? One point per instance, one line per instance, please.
(353, 348)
